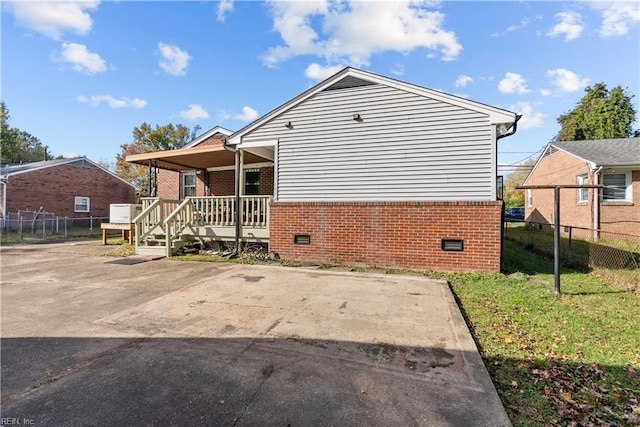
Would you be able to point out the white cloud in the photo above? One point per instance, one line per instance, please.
(224, 6)
(513, 83)
(194, 112)
(570, 26)
(545, 92)
(248, 114)
(317, 72)
(353, 31)
(112, 102)
(530, 119)
(566, 81)
(617, 16)
(53, 18)
(81, 59)
(398, 69)
(174, 60)
(463, 80)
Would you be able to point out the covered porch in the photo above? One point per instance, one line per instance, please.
(168, 224)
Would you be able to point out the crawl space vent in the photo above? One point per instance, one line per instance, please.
(302, 239)
(452, 245)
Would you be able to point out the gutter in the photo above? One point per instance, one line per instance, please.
(513, 130)
(236, 250)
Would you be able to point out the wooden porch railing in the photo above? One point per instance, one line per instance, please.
(173, 218)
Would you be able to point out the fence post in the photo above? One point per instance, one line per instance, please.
(57, 225)
(20, 226)
(570, 233)
(44, 224)
(65, 227)
(91, 225)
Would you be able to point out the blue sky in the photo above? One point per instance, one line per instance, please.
(81, 75)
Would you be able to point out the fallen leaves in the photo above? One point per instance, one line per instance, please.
(579, 396)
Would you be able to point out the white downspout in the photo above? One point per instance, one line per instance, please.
(596, 203)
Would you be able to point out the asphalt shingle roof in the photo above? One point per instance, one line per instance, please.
(607, 152)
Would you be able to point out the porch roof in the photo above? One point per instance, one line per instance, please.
(194, 158)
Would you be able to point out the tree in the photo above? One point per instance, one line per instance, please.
(600, 114)
(146, 140)
(511, 196)
(18, 145)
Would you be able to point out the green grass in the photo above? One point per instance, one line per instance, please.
(555, 359)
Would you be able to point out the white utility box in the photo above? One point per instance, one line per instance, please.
(124, 213)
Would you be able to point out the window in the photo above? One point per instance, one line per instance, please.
(188, 184)
(251, 182)
(81, 204)
(615, 187)
(529, 197)
(583, 193)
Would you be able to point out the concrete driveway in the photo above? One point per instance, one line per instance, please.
(93, 340)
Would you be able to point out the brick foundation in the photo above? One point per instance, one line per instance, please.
(389, 234)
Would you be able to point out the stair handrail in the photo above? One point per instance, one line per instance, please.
(178, 220)
(150, 219)
(143, 222)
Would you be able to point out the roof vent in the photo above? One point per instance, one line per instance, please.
(348, 82)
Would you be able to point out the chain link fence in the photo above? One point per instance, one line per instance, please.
(39, 225)
(584, 249)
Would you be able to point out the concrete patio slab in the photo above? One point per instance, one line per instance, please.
(89, 341)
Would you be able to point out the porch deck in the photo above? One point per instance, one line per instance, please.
(164, 226)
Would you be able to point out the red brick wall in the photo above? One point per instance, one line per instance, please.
(222, 183)
(168, 184)
(389, 234)
(266, 181)
(54, 188)
(555, 169)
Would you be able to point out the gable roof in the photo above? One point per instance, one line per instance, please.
(598, 152)
(207, 135)
(604, 152)
(11, 169)
(349, 77)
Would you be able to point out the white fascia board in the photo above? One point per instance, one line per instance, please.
(591, 164)
(207, 134)
(496, 115)
(244, 166)
(535, 166)
(254, 144)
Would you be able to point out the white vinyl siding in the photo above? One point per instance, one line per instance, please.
(407, 147)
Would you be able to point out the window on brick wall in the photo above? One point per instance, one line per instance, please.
(82, 204)
(583, 193)
(187, 184)
(617, 187)
(529, 197)
(251, 182)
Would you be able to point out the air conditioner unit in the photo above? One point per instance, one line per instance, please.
(123, 213)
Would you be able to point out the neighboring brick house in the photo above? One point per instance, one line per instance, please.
(75, 188)
(614, 163)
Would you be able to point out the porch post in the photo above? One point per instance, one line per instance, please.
(237, 191)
